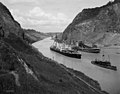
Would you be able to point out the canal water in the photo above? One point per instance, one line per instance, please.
(109, 80)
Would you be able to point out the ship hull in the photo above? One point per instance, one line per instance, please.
(103, 66)
(88, 50)
(73, 55)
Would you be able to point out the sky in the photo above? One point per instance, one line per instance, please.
(48, 15)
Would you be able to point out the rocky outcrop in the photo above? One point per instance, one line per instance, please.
(95, 25)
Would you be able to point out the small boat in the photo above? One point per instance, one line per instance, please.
(105, 64)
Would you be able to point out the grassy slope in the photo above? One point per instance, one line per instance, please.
(33, 35)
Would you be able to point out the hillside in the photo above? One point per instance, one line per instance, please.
(98, 25)
(33, 35)
(54, 33)
(24, 70)
(9, 24)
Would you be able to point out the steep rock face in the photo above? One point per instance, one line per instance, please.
(7, 22)
(94, 25)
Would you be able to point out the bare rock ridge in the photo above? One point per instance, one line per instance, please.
(24, 70)
(100, 25)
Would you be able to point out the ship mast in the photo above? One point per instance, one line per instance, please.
(55, 40)
(103, 56)
(81, 40)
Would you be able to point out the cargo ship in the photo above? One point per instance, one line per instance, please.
(61, 48)
(81, 46)
(84, 48)
(66, 52)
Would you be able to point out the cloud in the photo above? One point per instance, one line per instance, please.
(37, 17)
(58, 18)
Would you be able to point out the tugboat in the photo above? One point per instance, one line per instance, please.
(105, 64)
(67, 51)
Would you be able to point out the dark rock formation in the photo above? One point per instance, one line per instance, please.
(23, 70)
(99, 25)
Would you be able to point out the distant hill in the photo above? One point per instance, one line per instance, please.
(54, 33)
(100, 25)
(33, 35)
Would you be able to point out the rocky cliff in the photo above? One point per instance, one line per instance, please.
(24, 70)
(8, 23)
(100, 25)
